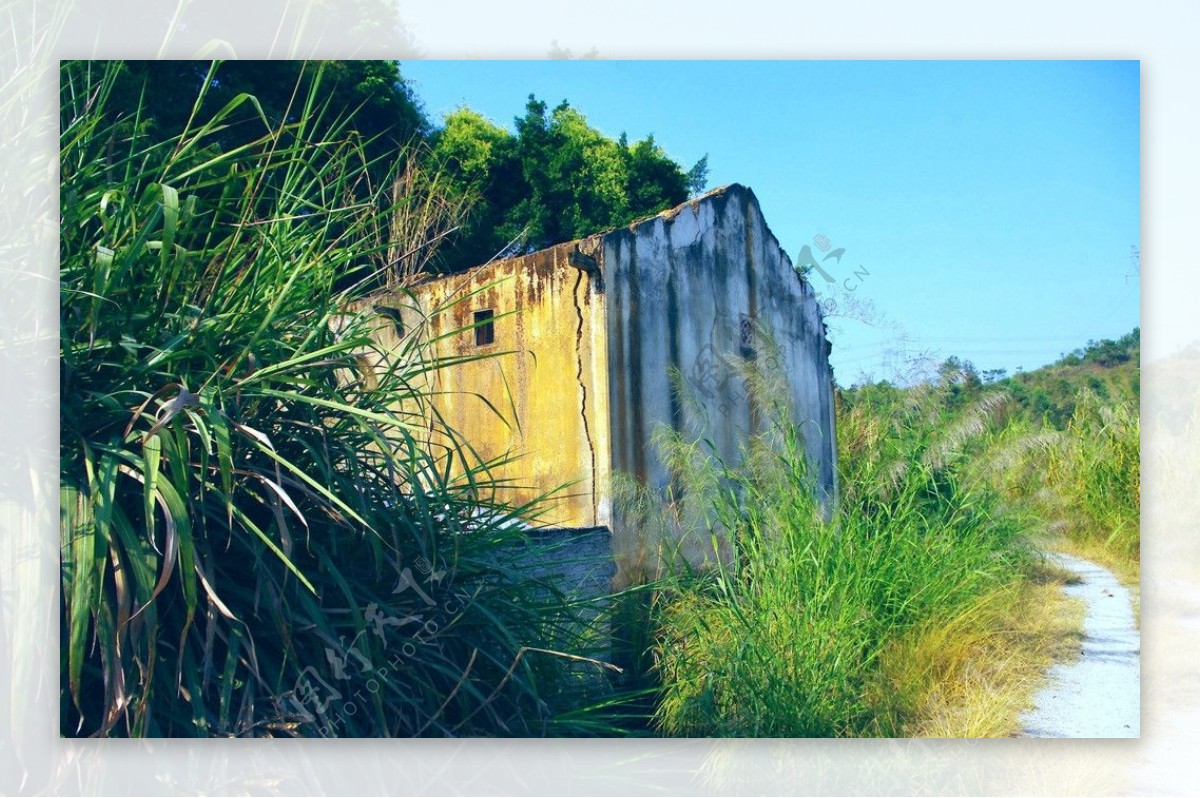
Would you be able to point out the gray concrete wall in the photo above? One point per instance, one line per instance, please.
(685, 291)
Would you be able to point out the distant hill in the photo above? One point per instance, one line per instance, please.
(1110, 369)
(1048, 395)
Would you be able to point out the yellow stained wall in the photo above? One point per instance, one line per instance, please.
(542, 397)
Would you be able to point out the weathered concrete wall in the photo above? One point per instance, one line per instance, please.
(587, 334)
(686, 290)
(543, 399)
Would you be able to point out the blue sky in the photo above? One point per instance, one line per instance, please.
(988, 207)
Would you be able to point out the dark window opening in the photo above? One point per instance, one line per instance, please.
(746, 330)
(394, 315)
(485, 329)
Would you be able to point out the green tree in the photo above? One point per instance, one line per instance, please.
(962, 381)
(555, 179)
(697, 176)
(481, 162)
(653, 179)
(576, 176)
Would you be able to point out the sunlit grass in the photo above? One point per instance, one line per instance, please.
(798, 631)
(972, 674)
(1097, 470)
(1083, 484)
(920, 607)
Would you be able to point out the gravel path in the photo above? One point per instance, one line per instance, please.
(1098, 695)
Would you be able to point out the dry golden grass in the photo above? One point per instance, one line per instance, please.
(973, 675)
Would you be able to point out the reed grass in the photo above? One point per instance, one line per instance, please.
(973, 673)
(1082, 484)
(258, 537)
(788, 637)
(1097, 471)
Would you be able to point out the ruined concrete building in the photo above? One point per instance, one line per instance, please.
(594, 328)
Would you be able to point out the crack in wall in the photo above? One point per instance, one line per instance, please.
(587, 432)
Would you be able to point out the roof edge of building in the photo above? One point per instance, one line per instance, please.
(667, 215)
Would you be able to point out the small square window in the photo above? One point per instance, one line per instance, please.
(394, 315)
(746, 333)
(485, 329)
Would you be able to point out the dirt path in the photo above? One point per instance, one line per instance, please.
(1098, 695)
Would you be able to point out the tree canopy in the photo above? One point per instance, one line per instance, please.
(555, 179)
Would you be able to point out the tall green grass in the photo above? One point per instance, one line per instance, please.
(258, 537)
(1083, 483)
(786, 636)
(1096, 469)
